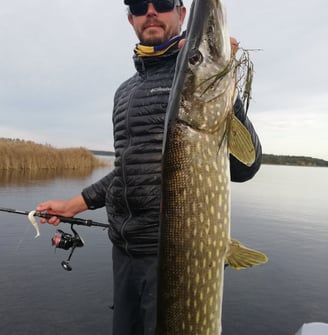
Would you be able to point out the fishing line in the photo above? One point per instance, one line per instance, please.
(27, 228)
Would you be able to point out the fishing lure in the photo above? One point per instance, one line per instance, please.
(31, 217)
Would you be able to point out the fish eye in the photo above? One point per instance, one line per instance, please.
(196, 58)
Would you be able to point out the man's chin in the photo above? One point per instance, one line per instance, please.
(151, 40)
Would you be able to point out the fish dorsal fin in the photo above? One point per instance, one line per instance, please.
(239, 257)
(240, 142)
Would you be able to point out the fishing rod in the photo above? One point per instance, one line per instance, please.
(65, 219)
(61, 239)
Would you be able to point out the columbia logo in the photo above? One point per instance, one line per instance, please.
(160, 89)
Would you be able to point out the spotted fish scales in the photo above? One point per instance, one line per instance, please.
(201, 131)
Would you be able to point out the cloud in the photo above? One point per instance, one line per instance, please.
(301, 130)
(61, 62)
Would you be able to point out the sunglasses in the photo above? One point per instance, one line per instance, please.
(139, 8)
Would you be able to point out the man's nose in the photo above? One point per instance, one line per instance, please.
(151, 10)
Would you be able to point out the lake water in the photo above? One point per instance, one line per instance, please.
(282, 212)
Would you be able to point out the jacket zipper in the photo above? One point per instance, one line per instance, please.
(126, 243)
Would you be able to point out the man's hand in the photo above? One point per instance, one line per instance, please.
(67, 208)
(234, 45)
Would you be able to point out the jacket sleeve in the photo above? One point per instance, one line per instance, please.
(240, 172)
(95, 194)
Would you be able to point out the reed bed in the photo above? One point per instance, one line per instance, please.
(28, 155)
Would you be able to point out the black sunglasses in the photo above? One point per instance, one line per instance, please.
(139, 8)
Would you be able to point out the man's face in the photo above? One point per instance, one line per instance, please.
(154, 28)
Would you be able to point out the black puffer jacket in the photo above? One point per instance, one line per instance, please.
(132, 191)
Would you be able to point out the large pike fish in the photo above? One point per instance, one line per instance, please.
(201, 131)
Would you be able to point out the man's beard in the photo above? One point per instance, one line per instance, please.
(152, 41)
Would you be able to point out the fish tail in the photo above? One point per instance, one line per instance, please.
(239, 257)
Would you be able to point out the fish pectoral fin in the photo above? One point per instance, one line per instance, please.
(240, 142)
(239, 257)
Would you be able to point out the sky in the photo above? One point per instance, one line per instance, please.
(61, 62)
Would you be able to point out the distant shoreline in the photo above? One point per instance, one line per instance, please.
(266, 159)
(293, 160)
(20, 154)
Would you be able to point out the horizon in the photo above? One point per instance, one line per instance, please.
(113, 152)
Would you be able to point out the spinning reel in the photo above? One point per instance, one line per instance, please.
(67, 241)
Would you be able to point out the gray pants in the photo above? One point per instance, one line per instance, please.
(135, 289)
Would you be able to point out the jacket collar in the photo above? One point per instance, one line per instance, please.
(145, 57)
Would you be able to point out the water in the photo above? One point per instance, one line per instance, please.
(281, 212)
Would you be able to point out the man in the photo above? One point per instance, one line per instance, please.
(131, 192)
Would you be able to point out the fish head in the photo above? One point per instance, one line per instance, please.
(205, 73)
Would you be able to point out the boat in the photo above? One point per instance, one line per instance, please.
(313, 328)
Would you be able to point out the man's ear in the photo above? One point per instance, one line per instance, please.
(130, 18)
(183, 12)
